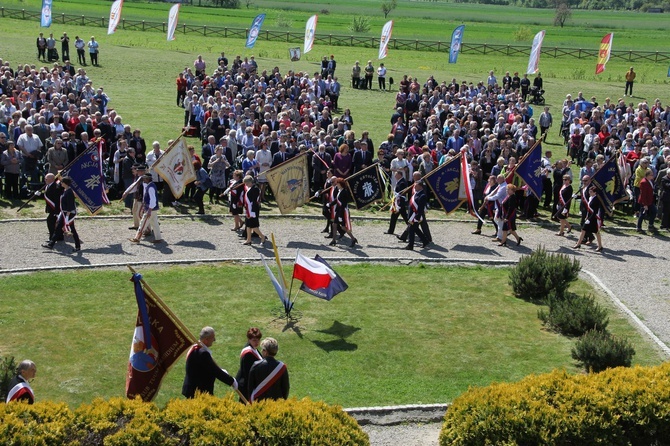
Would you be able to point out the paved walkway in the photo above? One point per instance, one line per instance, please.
(633, 267)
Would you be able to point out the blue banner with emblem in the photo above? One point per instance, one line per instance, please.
(455, 47)
(445, 182)
(88, 181)
(45, 20)
(610, 186)
(255, 30)
(365, 186)
(529, 169)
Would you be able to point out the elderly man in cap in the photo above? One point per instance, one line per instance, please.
(150, 208)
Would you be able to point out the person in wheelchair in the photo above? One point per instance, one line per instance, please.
(537, 95)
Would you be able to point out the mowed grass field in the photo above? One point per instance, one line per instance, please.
(398, 335)
(412, 20)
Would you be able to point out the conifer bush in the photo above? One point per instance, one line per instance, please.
(7, 371)
(618, 407)
(539, 275)
(598, 350)
(574, 315)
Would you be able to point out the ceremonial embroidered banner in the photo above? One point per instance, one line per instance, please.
(387, 30)
(158, 341)
(114, 16)
(535, 51)
(175, 167)
(289, 182)
(45, 20)
(455, 47)
(88, 181)
(173, 17)
(310, 31)
(604, 52)
(611, 189)
(445, 182)
(336, 285)
(365, 186)
(529, 169)
(255, 30)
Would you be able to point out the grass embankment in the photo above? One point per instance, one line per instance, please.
(398, 335)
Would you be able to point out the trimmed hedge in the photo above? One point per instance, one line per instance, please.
(617, 407)
(202, 421)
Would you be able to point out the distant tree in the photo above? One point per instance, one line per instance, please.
(388, 6)
(563, 13)
(248, 3)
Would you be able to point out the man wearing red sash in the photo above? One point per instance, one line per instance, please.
(19, 389)
(201, 370)
(268, 378)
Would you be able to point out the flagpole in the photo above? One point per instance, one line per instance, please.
(176, 320)
(277, 259)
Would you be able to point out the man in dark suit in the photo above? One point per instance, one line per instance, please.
(417, 205)
(201, 370)
(268, 378)
(52, 193)
(399, 206)
(68, 212)
(362, 158)
(280, 156)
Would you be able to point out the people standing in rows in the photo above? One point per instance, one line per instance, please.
(369, 71)
(65, 47)
(11, 161)
(93, 49)
(66, 217)
(42, 47)
(381, 76)
(80, 45)
(218, 165)
(356, 75)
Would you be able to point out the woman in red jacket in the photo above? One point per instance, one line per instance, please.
(647, 201)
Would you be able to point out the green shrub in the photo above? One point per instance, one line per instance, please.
(598, 350)
(205, 420)
(359, 24)
(623, 406)
(539, 275)
(7, 371)
(574, 315)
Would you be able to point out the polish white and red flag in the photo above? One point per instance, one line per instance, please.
(312, 273)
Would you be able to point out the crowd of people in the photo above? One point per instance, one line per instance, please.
(249, 119)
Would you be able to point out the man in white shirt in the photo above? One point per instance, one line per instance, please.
(381, 76)
(30, 145)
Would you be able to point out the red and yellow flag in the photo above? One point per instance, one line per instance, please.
(604, 52)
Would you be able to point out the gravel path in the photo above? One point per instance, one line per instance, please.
(633, 266)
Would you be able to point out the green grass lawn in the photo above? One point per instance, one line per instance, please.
(398, 335)
(412, 20)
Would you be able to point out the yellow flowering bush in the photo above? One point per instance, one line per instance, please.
(621, 406)
(202, 421)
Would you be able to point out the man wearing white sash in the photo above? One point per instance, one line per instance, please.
(19, 389)
(268, 378)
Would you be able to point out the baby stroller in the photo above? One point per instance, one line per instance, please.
(536, 96)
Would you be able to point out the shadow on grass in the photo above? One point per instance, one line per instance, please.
(202, 244)
(338, 345)
(340, 329)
